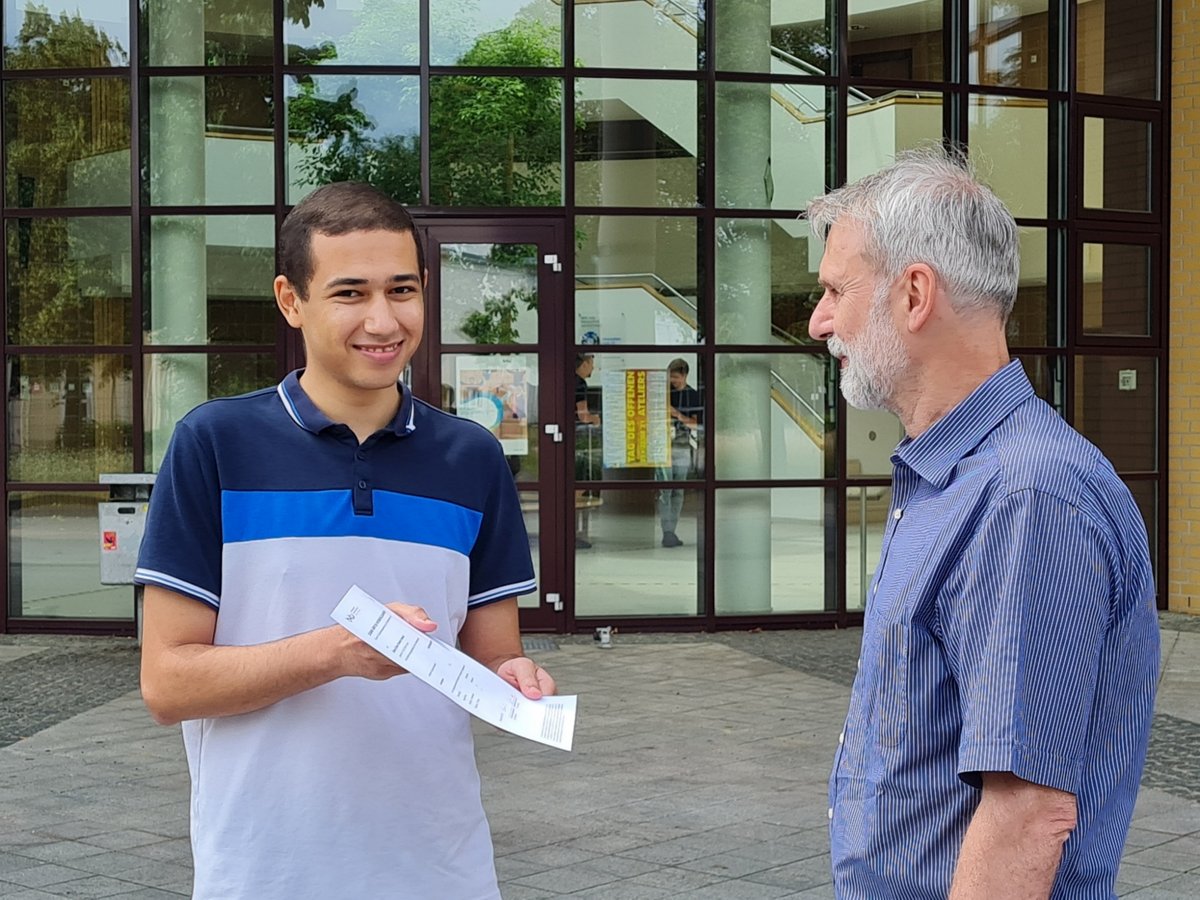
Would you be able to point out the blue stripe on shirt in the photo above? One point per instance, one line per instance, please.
(266, 515)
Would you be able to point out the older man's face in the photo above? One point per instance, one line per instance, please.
(854, 319)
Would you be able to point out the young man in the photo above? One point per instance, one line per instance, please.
(999, 719)
(687, 412)
(316, 772)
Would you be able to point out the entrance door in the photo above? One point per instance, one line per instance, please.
(494, 320)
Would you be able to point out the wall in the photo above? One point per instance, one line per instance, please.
(1183, 511)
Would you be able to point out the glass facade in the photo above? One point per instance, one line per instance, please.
(673, 145)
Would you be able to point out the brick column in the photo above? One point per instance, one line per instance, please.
(1183, 512)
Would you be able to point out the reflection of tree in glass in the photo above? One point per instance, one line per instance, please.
(497, 140)
(59, 132)
(63, 132)
(496, 323)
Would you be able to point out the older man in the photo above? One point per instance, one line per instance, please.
(998, 724)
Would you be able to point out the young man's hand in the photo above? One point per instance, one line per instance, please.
(528, 677)
(356, 658)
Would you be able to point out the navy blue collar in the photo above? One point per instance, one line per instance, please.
(304, 412)
(934, 454)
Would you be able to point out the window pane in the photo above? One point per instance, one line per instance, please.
(533, 522)
(495, 141)
(787, 37)
(1118, 47)
(1116, 408)
(68, 280)
(896, 39)
(622, 567)
(210, 280)
(871, 436)
(175, 383)
(866, 519)
(57, 34)
(766, 281)
(1008, 139)
(354, 128)
(635, 420)
(210, 140)
(211, 33)
(636, 142)
(1045, 373)
(771, 416)
(881, 122)
(491, 33)
(636, 280)
(770, 551)
(67, 142)
(1010, 43)
(378, 32)
(1116, 289)
(501, 394)
(1116, 164)
(1145, 494)
(1035, 316)
(54, 559)
(70, 418)
(663, 35)
(488, 293)
(770, 144)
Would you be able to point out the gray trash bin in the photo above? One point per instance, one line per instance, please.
(122, 520)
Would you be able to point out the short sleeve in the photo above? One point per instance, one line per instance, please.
(501, 566)
(181, 548)
(1024, 620)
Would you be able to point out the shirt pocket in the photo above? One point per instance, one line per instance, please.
(891, 685)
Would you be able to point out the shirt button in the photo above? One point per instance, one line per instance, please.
(362, 485)
(858, 665)
(360, 455)
(896, 515)
(842, 738)
(831, 812)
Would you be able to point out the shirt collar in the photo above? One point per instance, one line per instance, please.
(305, 413)
(934, 454)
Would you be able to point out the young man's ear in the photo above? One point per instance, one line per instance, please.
(288, 301)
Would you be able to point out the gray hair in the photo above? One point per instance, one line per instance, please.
(929, 207)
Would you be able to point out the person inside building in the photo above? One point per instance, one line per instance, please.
(999, 718)
(317, 769)
(686, 410)
(587, 449)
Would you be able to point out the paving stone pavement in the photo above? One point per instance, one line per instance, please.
(699, 771)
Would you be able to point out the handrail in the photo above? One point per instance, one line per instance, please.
(817, 417)
(778, 332)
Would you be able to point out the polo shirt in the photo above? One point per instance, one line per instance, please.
(1011, 627)
(267, 511)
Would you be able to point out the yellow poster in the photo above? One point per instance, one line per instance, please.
(635, 401)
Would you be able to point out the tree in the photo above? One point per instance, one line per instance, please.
(496, 140)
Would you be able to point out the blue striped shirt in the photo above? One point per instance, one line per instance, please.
(1011, 628)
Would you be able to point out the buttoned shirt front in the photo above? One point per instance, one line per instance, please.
(1011, 627)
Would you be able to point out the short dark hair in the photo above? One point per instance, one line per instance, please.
(679, 365)
(334, 209)
(581, 358)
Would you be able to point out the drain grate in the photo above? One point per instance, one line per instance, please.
(537, 643)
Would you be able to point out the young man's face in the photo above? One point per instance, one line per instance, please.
(365, 309)
(678, 381)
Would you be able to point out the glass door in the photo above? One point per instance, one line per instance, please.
(493, 323)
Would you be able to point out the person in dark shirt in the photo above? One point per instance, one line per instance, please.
(586, 424)
(687, 414)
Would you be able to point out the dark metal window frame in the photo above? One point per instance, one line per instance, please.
(1065, 225)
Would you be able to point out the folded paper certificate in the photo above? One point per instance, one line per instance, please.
(470, 684)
